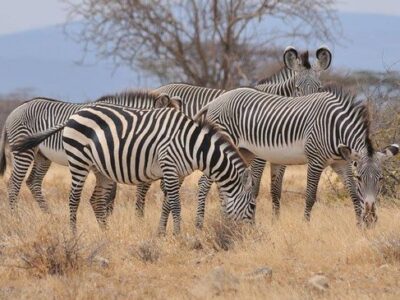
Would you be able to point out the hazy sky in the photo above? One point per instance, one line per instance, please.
(40, 13)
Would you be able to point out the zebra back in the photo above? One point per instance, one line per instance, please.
(193, 97)
(42, 114)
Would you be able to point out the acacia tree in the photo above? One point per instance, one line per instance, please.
(215, 43)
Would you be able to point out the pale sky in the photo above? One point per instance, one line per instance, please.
(20, 15)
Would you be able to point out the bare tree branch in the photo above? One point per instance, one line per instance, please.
(213, 43)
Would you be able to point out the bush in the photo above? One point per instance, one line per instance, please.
(51, 255)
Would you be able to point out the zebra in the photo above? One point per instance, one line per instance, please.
(297, 78)
(40, 114)
(320, 129)
(133, 146)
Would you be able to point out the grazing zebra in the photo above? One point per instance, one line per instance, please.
(40, 114)
(318, 130)
(134, 146)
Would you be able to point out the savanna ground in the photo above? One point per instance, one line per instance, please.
(39, 259)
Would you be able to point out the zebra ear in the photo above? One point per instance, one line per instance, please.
(291, 58)
(176, 102)
(162, 101)
(247, 179)
(347, 154)
(324, 57)
(388, 152)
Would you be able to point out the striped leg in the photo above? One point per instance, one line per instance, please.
(204, 187)
(35, 180)
(111, 199)
(99, 198)
(257, 169)
(162, 185)
(21, 163)
(314, 172)
(141, 192)
(79, 176)
(277, 172)
(344, 169)
(171, 203)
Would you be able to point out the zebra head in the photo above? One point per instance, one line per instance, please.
(306, 77)
(368, 175)
(241, 205)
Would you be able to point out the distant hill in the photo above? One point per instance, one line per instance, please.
(44, 60)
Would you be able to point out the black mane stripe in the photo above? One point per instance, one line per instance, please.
(305, 61)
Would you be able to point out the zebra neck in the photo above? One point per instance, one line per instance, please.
(287, 87)
(284, 88)
(216, 157)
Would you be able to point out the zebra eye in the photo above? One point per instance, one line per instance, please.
(358, 177)
(380, 178)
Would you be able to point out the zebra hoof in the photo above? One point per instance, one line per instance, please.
(161, 233)
(199, 225)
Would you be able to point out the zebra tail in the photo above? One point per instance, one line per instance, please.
(201, 115)
(3, 141)
(32, 141)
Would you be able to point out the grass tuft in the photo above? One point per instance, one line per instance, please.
(148, 251)
(389, 247)
(51, 255)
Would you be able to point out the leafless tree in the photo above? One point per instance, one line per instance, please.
(216, 43)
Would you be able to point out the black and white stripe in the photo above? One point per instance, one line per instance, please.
(317, 130)
(140, 146)
(40, 114)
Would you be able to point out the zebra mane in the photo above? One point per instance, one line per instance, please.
(190, 84)
(282, 75)
(42, 98)
(131, 95)
(305, 61)
(360, 107)
(215, 129)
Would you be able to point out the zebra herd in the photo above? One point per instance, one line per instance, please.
(138, 137)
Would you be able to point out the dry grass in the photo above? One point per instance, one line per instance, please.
(39, 259)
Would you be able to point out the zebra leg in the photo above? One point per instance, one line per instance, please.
(99, 198)
(162, 186)
(204, 187)
(171, 203)
(141, 192)
(35, 180)
(344, 170)
(78, 180)
(257, 169)
(21, 164)
(111, 199)
(277, 172)
(314, 172)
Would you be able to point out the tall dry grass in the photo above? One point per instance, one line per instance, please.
(40, 259)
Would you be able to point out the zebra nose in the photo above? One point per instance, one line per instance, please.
(370, 217)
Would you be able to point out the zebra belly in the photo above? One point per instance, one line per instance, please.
(57, 156)
(137, 174)
(288, 154)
